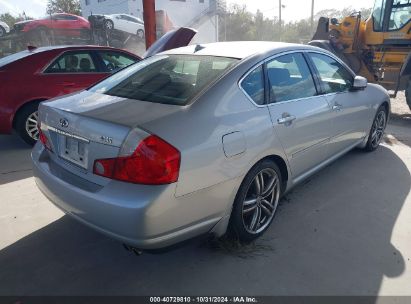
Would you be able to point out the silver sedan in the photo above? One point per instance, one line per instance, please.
(202, 139)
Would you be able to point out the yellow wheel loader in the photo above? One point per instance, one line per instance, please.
(377, 48)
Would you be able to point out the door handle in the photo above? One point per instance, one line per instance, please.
(286, 119)
(337, 107)
(68, 84)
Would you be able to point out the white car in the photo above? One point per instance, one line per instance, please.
(125, 23)
(4, 28)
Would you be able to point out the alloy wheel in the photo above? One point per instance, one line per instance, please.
(109, 25)
(31, 125)
(261, 201)
(378, 128)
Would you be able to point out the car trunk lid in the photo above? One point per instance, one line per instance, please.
(78, 140)
(87, 126)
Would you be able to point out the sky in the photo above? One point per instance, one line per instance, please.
(34, 8)
(294, 9)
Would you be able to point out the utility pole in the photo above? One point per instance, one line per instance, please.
(149, 15)
(312, 16)
(279, 19)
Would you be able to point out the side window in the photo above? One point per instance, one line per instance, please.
(400, 14)
(290, 78)
(333, 75)
(253, 85)
(114, 61)
(73, 62)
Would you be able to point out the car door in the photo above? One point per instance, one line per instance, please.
(131, 26)
(301, 118)
(349, 107)
(60, 24)
(121, 23)
(72, 71)
(135, 24)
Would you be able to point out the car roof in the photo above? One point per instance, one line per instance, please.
(59, 47)
(26, 53)
(238, 49)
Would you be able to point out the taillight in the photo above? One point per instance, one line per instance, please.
(43, 138)
(154, 162)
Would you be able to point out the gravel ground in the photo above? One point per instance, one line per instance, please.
(399, 106)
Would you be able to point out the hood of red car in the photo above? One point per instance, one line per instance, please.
(23, 22)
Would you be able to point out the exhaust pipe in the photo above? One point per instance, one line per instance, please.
(133, 249)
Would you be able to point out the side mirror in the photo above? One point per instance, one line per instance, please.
(360, 83)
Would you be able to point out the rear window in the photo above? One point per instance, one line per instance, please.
(168, 79)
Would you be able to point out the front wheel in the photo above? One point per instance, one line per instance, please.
(377, 130)
(256, 202)
(26, 123)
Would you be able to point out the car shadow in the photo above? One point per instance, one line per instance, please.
(14, 159)
(331, 236)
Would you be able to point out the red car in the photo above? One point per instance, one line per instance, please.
(60, 24)
(38, 74)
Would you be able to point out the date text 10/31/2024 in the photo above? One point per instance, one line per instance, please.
(203, 300)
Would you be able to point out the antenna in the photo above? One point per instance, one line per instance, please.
(198, 47)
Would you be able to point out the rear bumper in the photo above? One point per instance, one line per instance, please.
(146, 217)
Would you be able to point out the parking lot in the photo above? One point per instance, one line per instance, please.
(345, 231)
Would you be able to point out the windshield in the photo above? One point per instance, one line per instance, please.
(168, 79)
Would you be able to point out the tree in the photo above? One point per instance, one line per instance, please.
(64, 6)
(237, 23)
(10, 19)
(334, 13)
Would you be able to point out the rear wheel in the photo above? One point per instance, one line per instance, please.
(377, 130)
(256, 201)
(26, 123)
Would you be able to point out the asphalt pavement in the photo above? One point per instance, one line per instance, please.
(344, 231)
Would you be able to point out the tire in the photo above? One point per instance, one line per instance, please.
(253, 211)
(408, 94)
(2, 31)
(140, 34)
(25, 123)
(377, 130)
(109, 25)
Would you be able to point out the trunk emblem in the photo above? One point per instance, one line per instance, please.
(64, 123)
